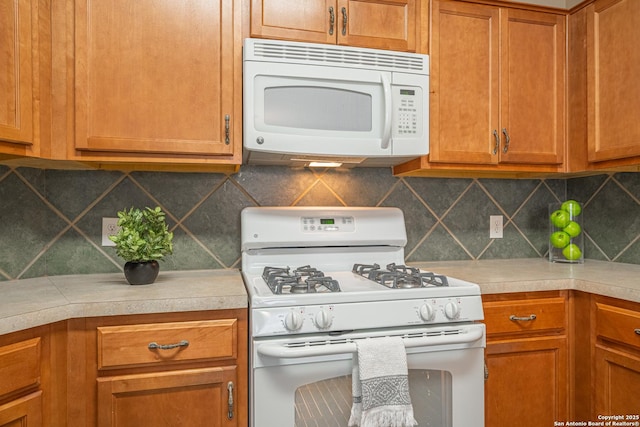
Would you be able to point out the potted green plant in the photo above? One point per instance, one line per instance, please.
(143, 239)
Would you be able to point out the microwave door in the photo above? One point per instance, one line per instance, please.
(291, 108)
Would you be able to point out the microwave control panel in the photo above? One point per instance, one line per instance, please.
(407, 102)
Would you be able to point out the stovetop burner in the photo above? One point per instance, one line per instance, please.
(399, 276)
(302, 280)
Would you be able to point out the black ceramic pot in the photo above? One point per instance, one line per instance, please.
(141, 273)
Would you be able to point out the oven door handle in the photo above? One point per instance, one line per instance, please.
(328, 349)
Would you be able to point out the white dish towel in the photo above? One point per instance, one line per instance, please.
(380, 384)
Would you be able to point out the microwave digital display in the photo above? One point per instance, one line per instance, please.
(327, 221)
(411, 92)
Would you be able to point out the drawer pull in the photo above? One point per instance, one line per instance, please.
(156, 346)
(637, 331)
(522, 319)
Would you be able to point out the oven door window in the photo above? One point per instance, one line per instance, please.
(328, 402)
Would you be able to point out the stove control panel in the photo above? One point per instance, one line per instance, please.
(327, 224)
(272, 321)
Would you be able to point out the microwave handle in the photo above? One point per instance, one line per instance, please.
(388, 105)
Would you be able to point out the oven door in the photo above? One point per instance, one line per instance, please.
(307, 381)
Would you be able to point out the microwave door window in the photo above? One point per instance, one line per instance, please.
(319, 108)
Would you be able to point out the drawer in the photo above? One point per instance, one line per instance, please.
(162, 343)
(19, 366)
(534, 315)
(618, 324)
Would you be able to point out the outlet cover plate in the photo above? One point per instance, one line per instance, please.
(495, 226)
(109, 227)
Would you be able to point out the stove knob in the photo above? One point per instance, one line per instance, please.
(293, 321)
(323, 319)
(427, 312)
(451, 310)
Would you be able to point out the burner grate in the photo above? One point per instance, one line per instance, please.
(399, 276)
(302, 280)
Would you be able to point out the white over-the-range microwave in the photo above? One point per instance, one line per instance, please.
(305, 103)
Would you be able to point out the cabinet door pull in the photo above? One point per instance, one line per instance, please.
(497, 138)
(637, 331)
(486, 371)
(344, 21)
(155, 346)
(522, 319)
(506, 140)
(230, 400)
(332, 20)
(227, 118)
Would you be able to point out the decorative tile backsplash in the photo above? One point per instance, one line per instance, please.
(51, 219)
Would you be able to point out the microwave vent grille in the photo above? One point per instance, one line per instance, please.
(306, 53)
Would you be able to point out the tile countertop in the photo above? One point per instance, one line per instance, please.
(33, 302)
(612, 279)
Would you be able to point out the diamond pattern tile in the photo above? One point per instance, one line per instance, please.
(468, 219)
(178, 193)
(51, 220)
(532, 218)
(418, 220)
(613, 219)
(438, 193)
(27, 226)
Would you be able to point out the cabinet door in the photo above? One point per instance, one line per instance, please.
(154, 76)
(532, 87)
(527, 383)
(25, 411)
(613, 90)
(464, 102)
(365, 23)
(378, 24)
(194, 397)
(302, 20)
(16, 72)
(617, 382)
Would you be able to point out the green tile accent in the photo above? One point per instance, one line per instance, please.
(51, 220)
(178, 192)
(27, 226)
(72, 199)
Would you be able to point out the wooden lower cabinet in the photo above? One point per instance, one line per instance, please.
(174, 369)
(33, 377)
(527, 359)
(617, 382)
(527, 382)
(616, 358)
(24, 411)
(191, 397)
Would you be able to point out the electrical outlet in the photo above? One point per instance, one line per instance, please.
(495, 226)
(109, 228)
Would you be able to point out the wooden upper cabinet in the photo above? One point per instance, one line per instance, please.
(497, 85)
(389, 24)
(532, 85)
(465, 85)
(16, 75)
(156, 76)
(613, 67)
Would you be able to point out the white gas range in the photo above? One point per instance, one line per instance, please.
(289, 247)
(318, 279)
